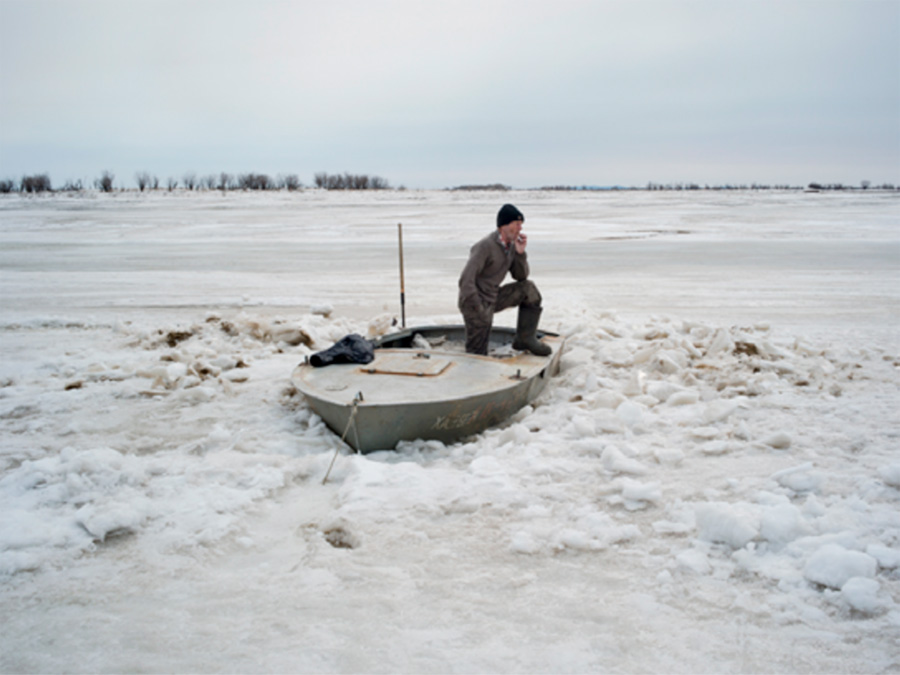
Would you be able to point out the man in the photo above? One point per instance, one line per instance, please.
(480, 292)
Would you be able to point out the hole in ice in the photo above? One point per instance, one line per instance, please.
(340, 538)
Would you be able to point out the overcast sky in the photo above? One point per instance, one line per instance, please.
(436, 94)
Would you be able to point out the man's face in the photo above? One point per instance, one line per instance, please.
(510, 231)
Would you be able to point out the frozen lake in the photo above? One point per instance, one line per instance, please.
(711, 484)
(790, 258)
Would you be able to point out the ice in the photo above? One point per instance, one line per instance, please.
(639, 495)
(683, 398)
(322, 309)
(709, 484)
(783, 523)
(861, 593)
(778, 441)
(887, 557)
(716, 411)
(631, 414)
(615, 461)
(732, 524)
(890, 474)
(833, 565)
(694, 561)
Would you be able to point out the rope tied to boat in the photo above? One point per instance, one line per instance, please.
(350, 421)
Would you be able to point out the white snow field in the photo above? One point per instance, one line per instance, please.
(711, 484)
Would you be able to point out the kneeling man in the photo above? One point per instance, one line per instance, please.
(480, 292)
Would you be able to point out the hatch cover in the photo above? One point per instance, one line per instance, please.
(416, 365)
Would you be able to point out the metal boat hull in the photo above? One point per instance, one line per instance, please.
(411, 393)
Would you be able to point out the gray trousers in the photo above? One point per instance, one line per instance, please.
(478, 323)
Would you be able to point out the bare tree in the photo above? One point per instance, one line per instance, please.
(226, 182)
(36, 183)
(350, 181)
(190, 180)
(290, 182)
(142, 178)
(172, 183)
(209, 182)
(7, 186)
(105, 182)
(254, 181)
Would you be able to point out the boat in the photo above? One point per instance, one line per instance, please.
(423, 385)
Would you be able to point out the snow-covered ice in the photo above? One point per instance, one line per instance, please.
(711, 484)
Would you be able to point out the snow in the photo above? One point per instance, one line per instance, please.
(710, 484)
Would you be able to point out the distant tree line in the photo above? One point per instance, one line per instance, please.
(36, 183)
(498, 187)
(864, 185)
(224, 182)
(144, 180)
(349, 181)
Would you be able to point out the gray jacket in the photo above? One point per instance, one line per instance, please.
(484, 272)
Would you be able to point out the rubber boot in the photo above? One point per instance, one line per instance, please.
(526, 330)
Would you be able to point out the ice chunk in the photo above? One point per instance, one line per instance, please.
(681, 521)
(861, 594)
(803, 481)
(583, 427)
(631, 413)
(686, 397)
(718, 410)
(615, 461)
(694, 561)
(578, 540)
(420, 342)
(324, 309)
(779, 441)
(725, 523)
(661, 391)
(799, 478)
(291, 335)
(669, 456)
(644, 355)
(576, 358)
(833, 565)
(716, 447)
(782, 524)
(888, 558)
(635, 386)
(669, 362)
(112, 518)
(380, 325)
(720, 342)
(890, 474)
(607, 399)
(706, 433)
(524, 542)
(638, 495)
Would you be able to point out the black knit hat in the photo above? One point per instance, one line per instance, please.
(507, 214)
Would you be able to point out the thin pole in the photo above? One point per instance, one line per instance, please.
(402, 284)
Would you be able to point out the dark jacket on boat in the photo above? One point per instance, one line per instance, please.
(350, 349)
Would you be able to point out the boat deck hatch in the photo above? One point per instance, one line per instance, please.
(406, 364)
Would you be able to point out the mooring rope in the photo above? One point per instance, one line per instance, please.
(350, 420)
